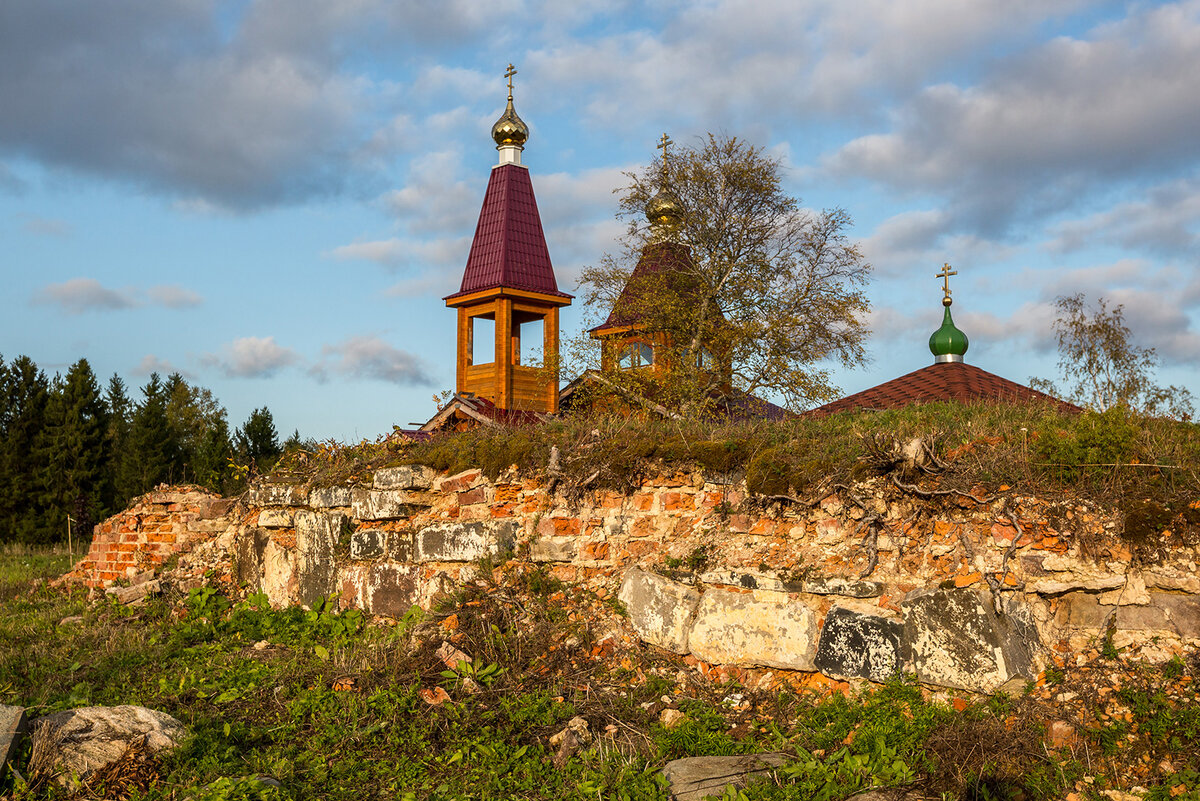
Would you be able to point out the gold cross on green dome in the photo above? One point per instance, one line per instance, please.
(945, 276)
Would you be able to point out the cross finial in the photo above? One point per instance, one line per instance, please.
(509, 73)
(945, 276)
(663, 144)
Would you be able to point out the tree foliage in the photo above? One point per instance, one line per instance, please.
(774, 291)
(1101, 366)
(68, 449)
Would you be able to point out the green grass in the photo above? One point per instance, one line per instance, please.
(333, 707)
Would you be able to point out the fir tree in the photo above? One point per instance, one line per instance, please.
(26, 393)
(151, 450)
(119, 413)
(257, 440)
(72, 451)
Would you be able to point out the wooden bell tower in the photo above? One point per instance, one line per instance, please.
(509, 282)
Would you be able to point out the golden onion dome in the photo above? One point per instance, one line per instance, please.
(664, 209)
(510, 129)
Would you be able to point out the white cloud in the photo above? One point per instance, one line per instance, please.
(174, 297)
(384, 251)
(79, 295)
(1166, 221)
(369, 357)
(1037, 134)
(47, 226)
(154, 364)
(252, 357)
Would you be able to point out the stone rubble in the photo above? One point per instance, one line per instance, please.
(969, 595)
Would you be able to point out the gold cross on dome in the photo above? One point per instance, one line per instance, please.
(945, 276)
(511, 71)
(663, 144)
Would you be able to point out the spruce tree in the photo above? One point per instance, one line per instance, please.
(26, 393)
(257, 440)
(119, 413)
(152, 448)
(72, 451)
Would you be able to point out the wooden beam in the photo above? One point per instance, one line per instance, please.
(503, 399)
(550, 357)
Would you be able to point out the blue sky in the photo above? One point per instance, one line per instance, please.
(272, 196)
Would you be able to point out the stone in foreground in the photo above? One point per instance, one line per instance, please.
(12, 727)
(854, 645)
(736, 628)
(660, 610)
(696, 778)
(958, 640)
(79, 742)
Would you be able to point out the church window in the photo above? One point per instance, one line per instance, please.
(634, 355)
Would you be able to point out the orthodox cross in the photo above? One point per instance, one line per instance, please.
(508, 74)
(662, 145)
(945, 276)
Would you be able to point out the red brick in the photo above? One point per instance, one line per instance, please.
(460, 482)
(643, 527)
(472, 496)
(595, 551)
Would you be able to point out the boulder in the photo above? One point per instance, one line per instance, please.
(660, 610)
(696, 778)
(737, 628)
(958, 640)
(81, 741)
(12, 728)
(858, 645)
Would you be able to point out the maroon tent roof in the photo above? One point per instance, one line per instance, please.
(940, 382)
(657, 258)
(509, 249)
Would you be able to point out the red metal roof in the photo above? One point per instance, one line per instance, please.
(939, 382)
(657, 258)
(509, 249)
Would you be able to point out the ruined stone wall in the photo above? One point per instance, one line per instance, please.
(967, 593)
(155, 527)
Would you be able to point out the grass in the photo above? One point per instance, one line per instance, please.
(334, 707)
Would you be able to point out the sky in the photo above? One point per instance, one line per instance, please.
(271, 197)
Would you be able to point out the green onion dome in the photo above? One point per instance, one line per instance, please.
(948, 344)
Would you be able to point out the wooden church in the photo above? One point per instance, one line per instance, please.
(509, 295)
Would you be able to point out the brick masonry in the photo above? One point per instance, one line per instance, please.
(155, 527)
(407, 535)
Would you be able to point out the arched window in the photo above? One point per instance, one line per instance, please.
(634, 355)
(705, 359)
